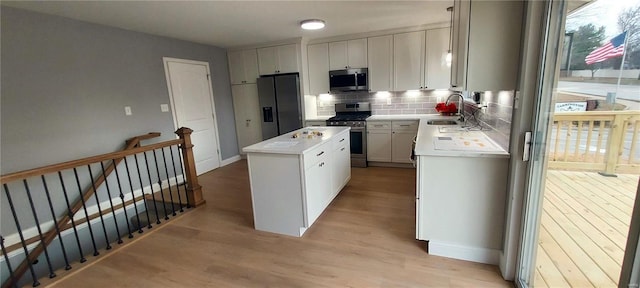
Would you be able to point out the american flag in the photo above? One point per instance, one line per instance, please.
(613, 48)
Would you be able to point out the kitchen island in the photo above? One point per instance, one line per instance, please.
(295, 176)
(461, 192)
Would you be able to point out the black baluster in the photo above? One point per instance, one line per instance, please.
(55, 223)
(184, 180)
(153, 195)
(124, 206)
(86, 214)
(95, 193)
(6, 259)
(164, 206)
(71, 214)
(113, 211)
(175, 175)
(24, 244)
(144, 199)
(35, 217)
(166, 170)
(135, 205)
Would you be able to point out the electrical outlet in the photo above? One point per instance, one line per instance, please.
(388, 101)
(164, 107)
(127, 110)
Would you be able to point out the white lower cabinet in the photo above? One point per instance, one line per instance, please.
(314, 123)
(462, 219)
(379, 141)
(340, 163)
(317, 185)
(290, 191)
(403, 133)
(390, 141)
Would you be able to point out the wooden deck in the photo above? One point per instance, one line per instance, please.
(365, 238)
(584, 226)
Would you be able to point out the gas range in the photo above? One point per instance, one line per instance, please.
(354, 115)
(350, 114)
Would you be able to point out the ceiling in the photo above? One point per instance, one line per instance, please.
(242, 23)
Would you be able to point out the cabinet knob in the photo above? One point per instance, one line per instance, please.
(346, 66)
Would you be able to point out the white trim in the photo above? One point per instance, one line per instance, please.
(475, 254)
(80, 215)
(166, 61)
(230, 160)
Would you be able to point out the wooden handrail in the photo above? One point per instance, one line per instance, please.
(193, 189)
(63, 223)
(84, 161)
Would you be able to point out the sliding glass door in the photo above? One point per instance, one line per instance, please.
(579, 227)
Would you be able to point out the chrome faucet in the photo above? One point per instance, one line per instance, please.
(460, 105)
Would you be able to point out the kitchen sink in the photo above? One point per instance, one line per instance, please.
(442, 122)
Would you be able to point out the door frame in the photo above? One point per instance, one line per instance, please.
(166, 61)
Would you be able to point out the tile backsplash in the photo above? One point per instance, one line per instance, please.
(390, 103)
(495, 118)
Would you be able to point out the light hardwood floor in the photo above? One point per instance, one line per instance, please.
(365, 238)
(583, 230)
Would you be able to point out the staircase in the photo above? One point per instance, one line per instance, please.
(67, 211)
(159, 206)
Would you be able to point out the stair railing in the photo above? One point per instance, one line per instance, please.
(65, 198)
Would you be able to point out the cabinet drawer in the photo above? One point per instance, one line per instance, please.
(405, 125)
(340, 140)
(317, 154)
(315, 123)
(378, 125)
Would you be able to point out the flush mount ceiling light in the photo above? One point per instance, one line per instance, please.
(312, 24)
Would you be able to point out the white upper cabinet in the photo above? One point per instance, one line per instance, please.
(278, 59)
(243, 66)
(408, 60)
(318, 60)
(437, 72)
(380, 63)
(348, 54)
(486, 45)
(459, 44)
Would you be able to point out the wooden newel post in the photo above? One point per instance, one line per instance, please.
(194, 190)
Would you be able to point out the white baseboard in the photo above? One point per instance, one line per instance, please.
(230, 160)
(474, 254)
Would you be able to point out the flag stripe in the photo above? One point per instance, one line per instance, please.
(613, 48)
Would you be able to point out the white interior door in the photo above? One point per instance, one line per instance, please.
(193, 107)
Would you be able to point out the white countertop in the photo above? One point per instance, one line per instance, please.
(428, 134)
(286, 144)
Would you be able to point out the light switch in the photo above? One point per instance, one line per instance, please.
(164, 107)
(127, 110)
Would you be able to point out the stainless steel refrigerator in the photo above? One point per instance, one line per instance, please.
(280, 104)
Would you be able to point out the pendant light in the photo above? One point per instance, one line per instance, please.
(449, 55)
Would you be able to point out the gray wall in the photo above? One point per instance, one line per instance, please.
(65, 84)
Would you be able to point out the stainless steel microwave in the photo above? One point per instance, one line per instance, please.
(349, 80)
